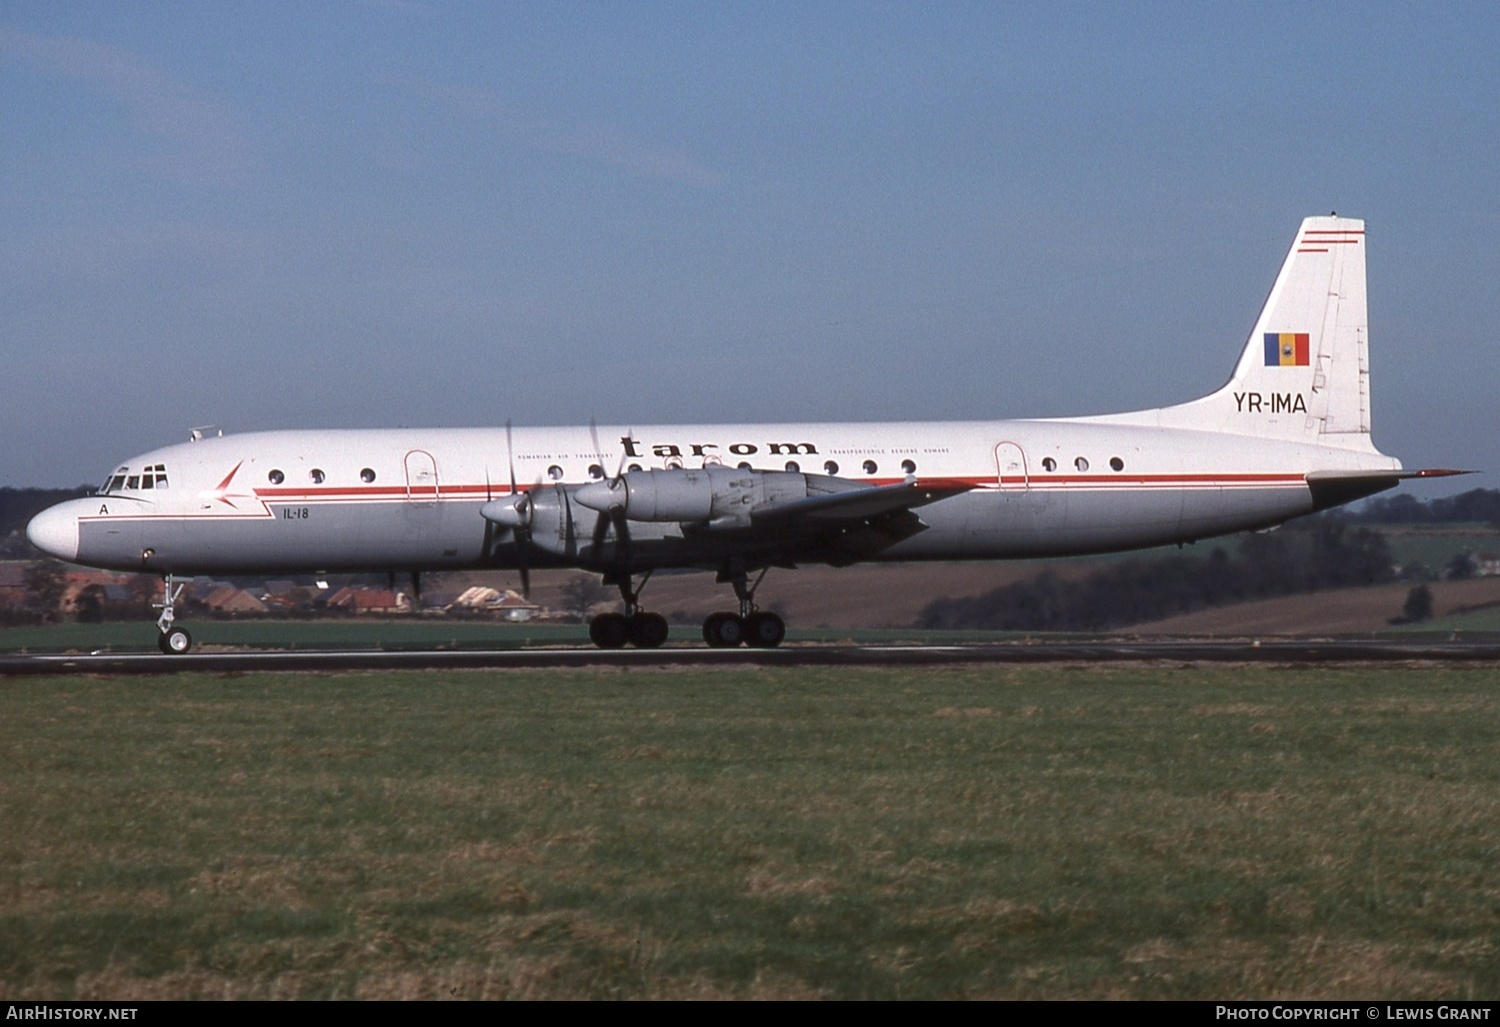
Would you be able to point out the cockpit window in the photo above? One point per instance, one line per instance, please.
(152, 477)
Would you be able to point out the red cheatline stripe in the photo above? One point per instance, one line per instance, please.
(1035, 478)
(1323, 250)
(449, 491)
(1040, 479)
(1334, 231)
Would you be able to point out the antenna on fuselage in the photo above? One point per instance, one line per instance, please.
(199, 434)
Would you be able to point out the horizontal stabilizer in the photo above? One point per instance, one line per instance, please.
(1334, 488)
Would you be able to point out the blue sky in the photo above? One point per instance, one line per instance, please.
(264, 215)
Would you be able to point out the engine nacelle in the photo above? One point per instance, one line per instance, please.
(709, 495)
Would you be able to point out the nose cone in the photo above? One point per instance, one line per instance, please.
(508, 513)
(55, 532)
(602, 496)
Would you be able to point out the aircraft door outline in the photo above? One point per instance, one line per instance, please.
(1010, 468)
(421, 477)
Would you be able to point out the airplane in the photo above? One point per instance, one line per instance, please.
(1287, 435)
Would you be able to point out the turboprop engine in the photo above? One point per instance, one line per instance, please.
(715, 496)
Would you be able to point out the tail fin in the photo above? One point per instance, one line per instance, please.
(1305, 372)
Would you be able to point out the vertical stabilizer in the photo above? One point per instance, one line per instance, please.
(1305, 371)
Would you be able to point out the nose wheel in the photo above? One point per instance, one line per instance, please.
(175, 641)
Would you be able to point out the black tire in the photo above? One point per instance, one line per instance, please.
(648, 630)
(723, 630)
(764, 630)
(609, 631)
(175, 642)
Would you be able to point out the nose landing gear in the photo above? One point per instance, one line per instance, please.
(172, 640)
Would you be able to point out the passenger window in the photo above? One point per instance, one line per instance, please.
(830, 468)
(635, 467)
(596, 472)
(793, 466)
(908, 467)
(1081, 463)
(367, 475)
(743, 465)
(1116, 463)
(870, 467)
(317, 476)
(1049, 464)
(276, 477)
(555, 472)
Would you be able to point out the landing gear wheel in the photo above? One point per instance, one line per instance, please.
(647, 630)
(609, 631)
(764, 630)
(175, 641)
(723, 630)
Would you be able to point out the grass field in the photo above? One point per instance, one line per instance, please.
(1007, 832)
(1435, 545)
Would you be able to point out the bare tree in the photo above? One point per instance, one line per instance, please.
(580, 593)
(46, 584)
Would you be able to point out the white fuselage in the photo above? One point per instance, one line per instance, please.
(409, 499)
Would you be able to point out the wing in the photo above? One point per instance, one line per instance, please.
(857, 504)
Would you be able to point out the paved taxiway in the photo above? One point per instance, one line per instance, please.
(1280, 651)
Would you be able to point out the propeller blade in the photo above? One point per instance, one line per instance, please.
(510, 456)
(520, 512)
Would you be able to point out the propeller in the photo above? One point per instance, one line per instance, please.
(514, 512)
(613, 516)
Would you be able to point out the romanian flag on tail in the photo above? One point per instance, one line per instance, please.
(1287, 349)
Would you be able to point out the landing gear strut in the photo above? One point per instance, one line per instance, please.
(759, 629)
(635, 626)
(172, 640)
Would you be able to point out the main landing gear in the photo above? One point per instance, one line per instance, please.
(635, 626)
(172, 640)
(759, 629)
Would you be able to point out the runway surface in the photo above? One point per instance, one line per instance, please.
(1280, 651)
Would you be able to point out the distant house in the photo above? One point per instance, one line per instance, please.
(369, 600)
(228, 599)
(281, 604)
(477, 598)
(1473, 565)
(509, 604)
